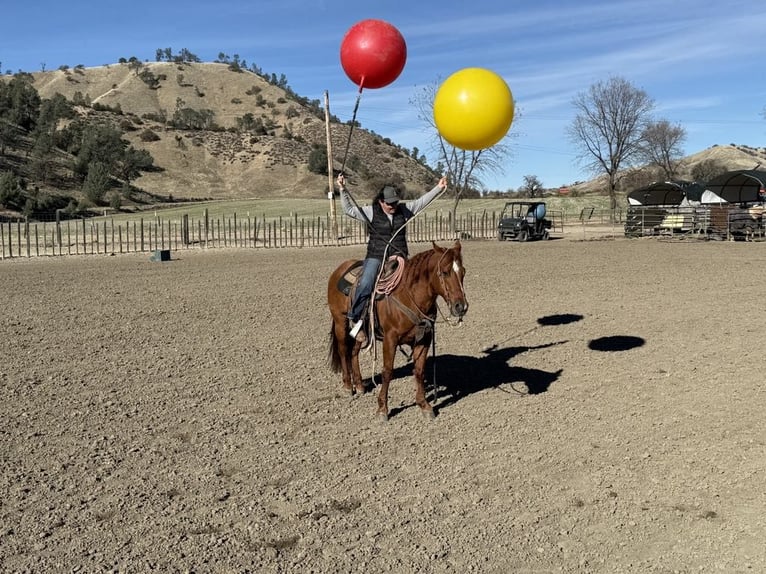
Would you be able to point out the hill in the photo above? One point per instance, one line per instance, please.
(700, 166)
(226, 162)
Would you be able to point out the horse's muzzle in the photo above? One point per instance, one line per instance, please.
(459, 308)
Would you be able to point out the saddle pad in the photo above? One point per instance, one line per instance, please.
(349, 278)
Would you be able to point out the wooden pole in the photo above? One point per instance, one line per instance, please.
(330, 170)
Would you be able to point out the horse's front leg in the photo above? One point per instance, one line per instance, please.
(389, 353)
(419, 356)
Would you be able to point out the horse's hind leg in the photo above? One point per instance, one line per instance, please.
(344, 354)
(349, 358)
(356, 372)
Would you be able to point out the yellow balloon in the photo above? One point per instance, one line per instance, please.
(473, 109)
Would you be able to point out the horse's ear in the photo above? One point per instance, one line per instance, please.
(457, 245)
(437, 248)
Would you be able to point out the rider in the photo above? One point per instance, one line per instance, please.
(386, 219)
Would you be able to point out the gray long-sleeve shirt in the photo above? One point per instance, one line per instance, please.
(364, 213)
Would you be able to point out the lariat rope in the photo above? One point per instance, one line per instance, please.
(384, 285)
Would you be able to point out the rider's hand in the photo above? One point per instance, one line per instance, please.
(341, 181)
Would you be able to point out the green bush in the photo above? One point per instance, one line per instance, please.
(318, 160)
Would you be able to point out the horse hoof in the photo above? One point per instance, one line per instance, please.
(383, 417)
(429, 414)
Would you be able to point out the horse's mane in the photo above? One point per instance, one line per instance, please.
(418, 263)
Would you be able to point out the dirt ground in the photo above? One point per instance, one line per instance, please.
(600, 409)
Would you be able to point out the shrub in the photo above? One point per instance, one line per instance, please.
(148, 136)
(318, 160)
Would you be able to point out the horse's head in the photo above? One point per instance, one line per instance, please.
(450, 273)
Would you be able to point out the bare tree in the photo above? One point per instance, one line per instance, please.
(532, 186)
(607, 130)
(707, 170)
(465, 168)
(661, 146)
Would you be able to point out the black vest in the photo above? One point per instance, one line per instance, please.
(382, 230)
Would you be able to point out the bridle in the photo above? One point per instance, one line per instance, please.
(455, 268)
(418, 314)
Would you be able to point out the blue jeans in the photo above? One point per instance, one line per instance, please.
(364, 287)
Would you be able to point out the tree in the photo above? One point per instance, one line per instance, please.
(318, 159)
(661, 146)
(101, 144)
(10, 190)
(8, 135)
(43, 155)
(96, 182)
(465, 168)
(133, 162)
(19, 101)
(706, 170)
(532, 186)
(611, 118)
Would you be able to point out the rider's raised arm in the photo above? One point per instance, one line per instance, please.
(349, 207)
(421, 202)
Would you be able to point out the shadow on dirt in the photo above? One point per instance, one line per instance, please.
(459, 376)
(561, 319)
(616, 343)
(462, 376)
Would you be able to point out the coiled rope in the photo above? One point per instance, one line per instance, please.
(388, 283)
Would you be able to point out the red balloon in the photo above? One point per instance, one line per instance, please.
(373, 53)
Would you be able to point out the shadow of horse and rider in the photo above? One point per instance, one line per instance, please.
(451, 378)
(406, 317)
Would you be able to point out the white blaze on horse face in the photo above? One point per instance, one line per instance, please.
(455, 267)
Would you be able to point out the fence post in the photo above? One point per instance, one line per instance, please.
(58, 229)
(207, 226)
(185, 229)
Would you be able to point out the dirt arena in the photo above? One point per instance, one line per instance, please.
(601, 409)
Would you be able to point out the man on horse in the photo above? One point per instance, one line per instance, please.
(386, 220)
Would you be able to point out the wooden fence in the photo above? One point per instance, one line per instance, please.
(147, 234)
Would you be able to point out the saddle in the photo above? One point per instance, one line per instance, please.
(347, 282)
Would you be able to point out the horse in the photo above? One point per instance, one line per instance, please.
(404, 316)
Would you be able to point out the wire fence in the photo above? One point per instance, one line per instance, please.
(111, 235)
(716, 222)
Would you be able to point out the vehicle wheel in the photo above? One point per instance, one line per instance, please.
(500, 236)
(522, 235)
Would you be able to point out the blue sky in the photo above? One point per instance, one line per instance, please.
(701, 62)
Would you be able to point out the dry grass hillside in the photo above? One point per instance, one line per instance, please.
(226, 163)
(718, 158)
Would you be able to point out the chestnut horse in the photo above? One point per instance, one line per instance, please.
(405, 316)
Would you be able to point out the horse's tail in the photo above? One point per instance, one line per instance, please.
(334, 356)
